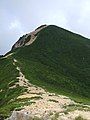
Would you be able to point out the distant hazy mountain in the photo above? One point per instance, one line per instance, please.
(52, 58)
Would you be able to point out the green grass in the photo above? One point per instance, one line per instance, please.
(55, 116)
(8, 74)
(73, 107)
(52, 100)
(15, 105)
(79, 118)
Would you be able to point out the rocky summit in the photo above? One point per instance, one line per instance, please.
(28, 38)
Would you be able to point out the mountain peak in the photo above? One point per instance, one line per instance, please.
(28, 38)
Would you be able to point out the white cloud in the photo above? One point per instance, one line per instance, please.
(16, 25)
(86, 7)
(58, 19)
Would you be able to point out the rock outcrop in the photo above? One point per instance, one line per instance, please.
(28, 38)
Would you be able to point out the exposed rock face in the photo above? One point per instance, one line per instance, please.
(28, 38)
(25, 115)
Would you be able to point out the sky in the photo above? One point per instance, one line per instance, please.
(18, 17)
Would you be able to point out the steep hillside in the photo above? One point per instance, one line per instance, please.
(58, 60)
(52, 58)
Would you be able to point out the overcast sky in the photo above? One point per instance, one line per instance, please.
(18, 17)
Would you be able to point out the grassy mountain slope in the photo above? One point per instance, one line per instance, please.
(58, 60)
(8, 74)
